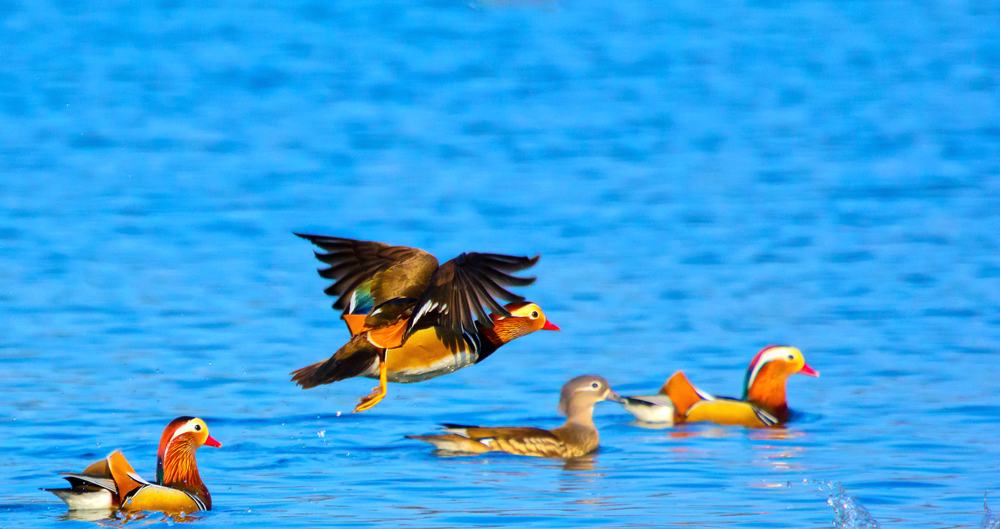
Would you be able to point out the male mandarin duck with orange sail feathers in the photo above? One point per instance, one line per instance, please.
(412, 319)
(111, 483)
(763, 402)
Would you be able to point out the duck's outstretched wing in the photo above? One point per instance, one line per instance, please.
(463, 289)
(367, 274)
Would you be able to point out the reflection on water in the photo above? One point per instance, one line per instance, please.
(652, 425)
(103, 517)
(117, 518)
(785, 456)
(585, 463)
(774, 433)
(711, 432)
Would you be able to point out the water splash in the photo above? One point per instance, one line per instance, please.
(988, 522)
(848, 511)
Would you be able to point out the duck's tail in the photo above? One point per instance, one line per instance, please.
(451, 442)
(356, 357)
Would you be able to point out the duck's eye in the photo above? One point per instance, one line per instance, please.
(534, 314)
(791, 357)
(197, 427)
(595, 385)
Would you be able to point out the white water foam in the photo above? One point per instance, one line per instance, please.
(848, 511)
(989, 521)
(850, 514)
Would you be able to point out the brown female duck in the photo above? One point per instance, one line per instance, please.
(576, 438)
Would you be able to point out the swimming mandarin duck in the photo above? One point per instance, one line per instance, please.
(763, 402)
(412, 319)
(576, 438)
(111, 483)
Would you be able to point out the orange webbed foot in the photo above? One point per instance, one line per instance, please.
(378, 392)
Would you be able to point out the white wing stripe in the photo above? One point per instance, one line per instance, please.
(703, 395)
(424, 310)
(199, 503)
(766, 418)
(138, 478)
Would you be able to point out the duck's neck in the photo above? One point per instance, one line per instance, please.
(503, 331)
(580, 414)
(177, 466)
(768, 389)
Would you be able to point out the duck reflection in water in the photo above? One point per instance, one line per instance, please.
(117, 518)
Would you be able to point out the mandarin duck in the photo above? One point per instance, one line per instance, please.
(411, 319)
(576, 438)
(111, 483)
(763, 402)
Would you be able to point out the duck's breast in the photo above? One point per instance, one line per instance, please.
(166, 499)
(425, 356)
(729, 411)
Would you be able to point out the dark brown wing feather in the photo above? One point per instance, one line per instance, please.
(396, 271)
(518, 440)
(464, 288)
(486, 432)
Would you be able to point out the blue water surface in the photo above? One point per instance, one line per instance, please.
(701, 179)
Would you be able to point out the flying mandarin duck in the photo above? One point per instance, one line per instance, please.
(763, 402)
(111, 483)
(576, 438)
(411, 319)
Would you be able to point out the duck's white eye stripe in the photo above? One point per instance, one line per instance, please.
(773, 354)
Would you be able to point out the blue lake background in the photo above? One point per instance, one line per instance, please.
(701, 180)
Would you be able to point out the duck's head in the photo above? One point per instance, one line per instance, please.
(582, 393)
(179, 441)
(771, 367)
(525, 318)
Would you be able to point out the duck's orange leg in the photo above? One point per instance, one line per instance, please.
(378, 392)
